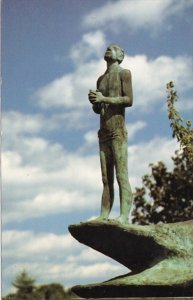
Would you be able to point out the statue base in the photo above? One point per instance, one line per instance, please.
(160, 257)
(139, 298)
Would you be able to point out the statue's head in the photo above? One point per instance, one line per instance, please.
(114, 53)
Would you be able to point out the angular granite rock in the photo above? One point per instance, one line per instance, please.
(160, 257)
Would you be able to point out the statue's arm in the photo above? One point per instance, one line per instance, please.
(127, 90)
(127, 94)
(97, 106)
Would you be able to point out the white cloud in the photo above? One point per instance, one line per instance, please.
(133, 128)
(135, 14)
(91, 45)
(87, 255)
(28, 244)
(15, 123)
(68, 274)
(91, 137)
(151, 75)
(34, 189)
(23, 123)
(96, 270)
(149, 82)
(57, 258)
(60, 89)
(71, 90)
(51, 203)
(185, 104)
(42, 178)
(140, 155)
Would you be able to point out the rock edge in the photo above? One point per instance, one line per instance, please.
(160, 257)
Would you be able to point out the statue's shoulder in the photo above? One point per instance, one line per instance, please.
(100, 78)
(124, 73)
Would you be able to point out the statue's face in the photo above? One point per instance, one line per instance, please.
(111, 54)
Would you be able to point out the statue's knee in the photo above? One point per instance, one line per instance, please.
(104, 180)
(120, 178)
(108, 182)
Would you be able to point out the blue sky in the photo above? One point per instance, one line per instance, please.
(52, 54)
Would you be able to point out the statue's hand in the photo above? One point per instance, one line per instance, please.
(91, 94)
(95, 97)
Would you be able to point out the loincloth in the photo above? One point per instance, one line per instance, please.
(106, 135)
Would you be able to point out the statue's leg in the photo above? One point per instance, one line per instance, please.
(120, 153)
(107, 170)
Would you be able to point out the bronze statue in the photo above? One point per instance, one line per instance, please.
(112, 96)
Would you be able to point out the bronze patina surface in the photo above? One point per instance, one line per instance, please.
(112, 96)
(159, 256)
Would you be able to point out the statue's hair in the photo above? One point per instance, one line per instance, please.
(120, 57)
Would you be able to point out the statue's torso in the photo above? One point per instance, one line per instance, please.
(112, 116)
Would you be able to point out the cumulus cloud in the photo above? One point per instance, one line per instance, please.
(91, 137)
(38, 124)
(90, 46)
(151, 75)
(135, 14)
(39, 180)
(27, 123)
(27, 244)
(140, 155)
(63, 272)
(39, 176)
(57, 258)
(35, 190)
(185, 104)
(71, 90)
(149, 80)
(87, 255)
(133, 128)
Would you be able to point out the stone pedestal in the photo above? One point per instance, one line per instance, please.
(160, 257)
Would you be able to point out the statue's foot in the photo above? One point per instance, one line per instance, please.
(122, 219)
(101, 218)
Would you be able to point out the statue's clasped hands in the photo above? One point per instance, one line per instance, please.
(95, 97)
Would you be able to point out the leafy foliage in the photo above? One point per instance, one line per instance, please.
(27, 291)
(52, 292)
(24, 283)
(167, 196)
(46, 292)
(183, 133)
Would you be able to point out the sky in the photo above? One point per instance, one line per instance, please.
(52, 54)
